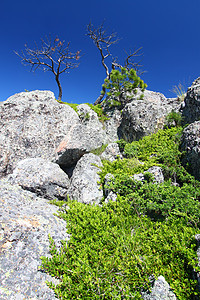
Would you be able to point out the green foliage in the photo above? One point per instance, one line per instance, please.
(141, 97)
(149, 230)
(112, 252)
(100, 150)
(84, 116)
(121, 82)
(174, 119)
(98, 109)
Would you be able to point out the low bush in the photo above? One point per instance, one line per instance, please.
(148, 231)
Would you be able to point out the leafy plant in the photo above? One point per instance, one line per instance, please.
(148, 231)
(174, 119)
(100, 150)
(107, 258)
(100, 112)
(120, 83)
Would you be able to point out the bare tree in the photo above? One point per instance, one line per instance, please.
(53, 55)
(103, 42)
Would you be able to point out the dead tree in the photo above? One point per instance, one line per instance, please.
(53, 55)
(103, 42)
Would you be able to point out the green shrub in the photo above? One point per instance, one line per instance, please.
(100, 150)
(113, 251)
(98, 109)
(120, 83)
(174, 119)
(149, 230)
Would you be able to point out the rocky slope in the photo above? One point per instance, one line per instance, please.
(45, 154)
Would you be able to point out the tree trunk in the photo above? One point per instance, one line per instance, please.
(60, 88)
(100, 98)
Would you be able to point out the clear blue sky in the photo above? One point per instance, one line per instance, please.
(168, 31)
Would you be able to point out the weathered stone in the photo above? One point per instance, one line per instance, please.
(42, 177)
(84, 185)
(191, 145)
(32, 124)
(146, 116)
(160, 291)
(157, 174)
(155, 171)
(111, 152)
(112, 125)
(191, 111)
(84, 137)
(25, 223)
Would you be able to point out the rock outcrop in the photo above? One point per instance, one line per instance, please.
(191, 146)
(33, 124)
(191, 111)
(145, 116)
(25, 223)
(41, 141)
(84, 185)
(41, 177)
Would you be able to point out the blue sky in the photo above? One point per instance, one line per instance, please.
(168, 31)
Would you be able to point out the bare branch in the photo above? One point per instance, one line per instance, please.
(103, 42)
(53, 55)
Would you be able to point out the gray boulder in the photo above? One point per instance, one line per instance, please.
(155, 171)
(32, 124)
(191, 111)
(112, 124)
(160, 291)
(111, 152)
(146, 116)
(191, 145)
(88, 135)
(25, 223)
(84, 185)
(42, 177)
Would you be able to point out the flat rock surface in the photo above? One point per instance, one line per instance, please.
(25, 223)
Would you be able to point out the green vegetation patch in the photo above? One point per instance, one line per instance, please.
(113, 250)
(98, 109)
(100, 150)
(148, 231)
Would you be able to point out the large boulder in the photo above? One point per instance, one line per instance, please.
(191, 146)
(25, 223)
(142, 117)
(85, 136)
(42, 177)
(32, 124)
(112, 124)
(191, 111)
(84, 185)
